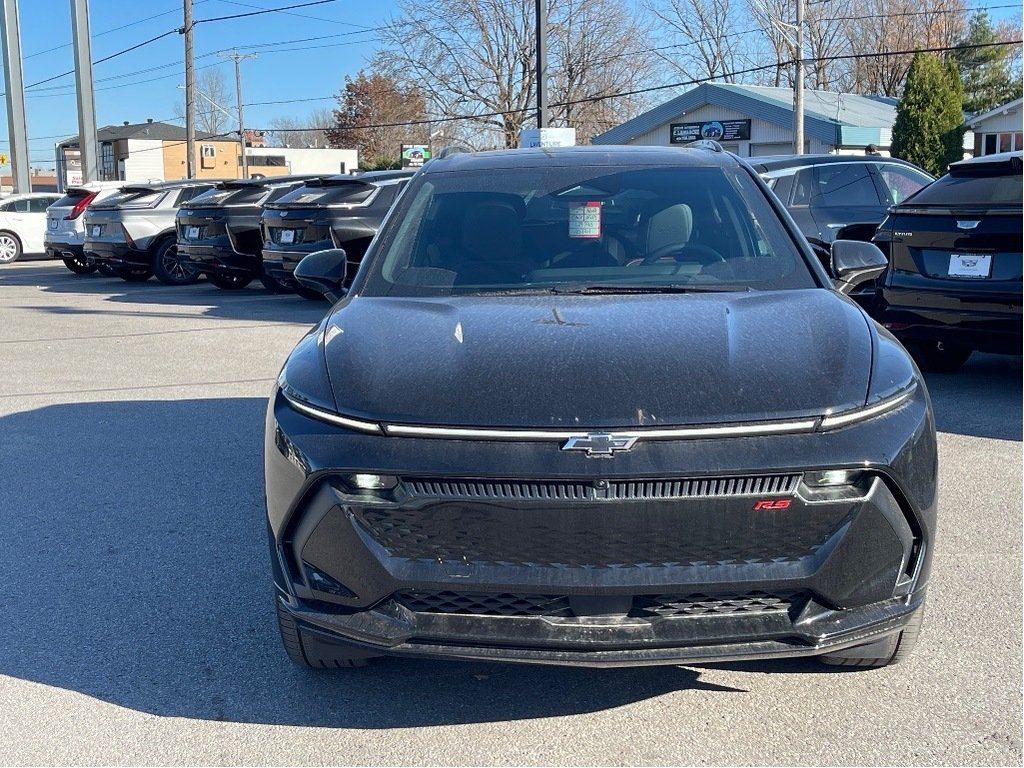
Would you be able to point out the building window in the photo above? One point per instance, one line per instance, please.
(107, 161)
(208, 153)
(1002, 142)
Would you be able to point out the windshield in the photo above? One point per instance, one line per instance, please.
(973, 186)
(134, 198)
(335, 194)
(584, 229)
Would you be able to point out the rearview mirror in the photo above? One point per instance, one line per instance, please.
(855, 262)
(323, 272)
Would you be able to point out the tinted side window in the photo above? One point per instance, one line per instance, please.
(843, 184)
(803, 187)
(902, 182)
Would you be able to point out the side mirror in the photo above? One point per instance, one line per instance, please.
(323, 272)
(855, 262)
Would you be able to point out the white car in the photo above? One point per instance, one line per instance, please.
(23, 224)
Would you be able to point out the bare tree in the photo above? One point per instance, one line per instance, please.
(877, 28)
(474, 59)
(212, 89)
(709, 41)
(309, 131)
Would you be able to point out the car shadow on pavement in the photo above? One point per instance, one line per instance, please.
(134, 570)
(983, 399)
(253, 302)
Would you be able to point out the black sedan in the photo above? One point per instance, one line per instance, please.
(597, 406)
(954, 283)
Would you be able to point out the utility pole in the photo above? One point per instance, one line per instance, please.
(87, 142)
(542, 64)
(798, 83)
(190, 96)
(238, 95)
(10, 32)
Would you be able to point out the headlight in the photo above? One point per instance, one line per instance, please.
(326, 416)
(836, 420)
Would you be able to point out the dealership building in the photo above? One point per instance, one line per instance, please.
(755, 120)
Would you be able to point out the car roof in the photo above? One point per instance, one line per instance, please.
(267, 181)
(605, 155)
(160, 186)
(776, 162)
(993, 159)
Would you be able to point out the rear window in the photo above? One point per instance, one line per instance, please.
(341, 194)
(229, 196)
(72, 198)
(992, 186)
(134, 198)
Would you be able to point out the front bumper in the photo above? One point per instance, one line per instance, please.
(570, 570)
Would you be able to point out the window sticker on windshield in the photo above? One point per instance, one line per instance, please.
(585, 220)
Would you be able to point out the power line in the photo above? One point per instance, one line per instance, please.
(640, 91)
(298, 15)
(263, 11)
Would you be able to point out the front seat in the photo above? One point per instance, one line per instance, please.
(667, 227)
(491, 245)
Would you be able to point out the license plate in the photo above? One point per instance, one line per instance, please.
(192, 233)
(97, 230)
(287, 236)
(976, 265)
(53, 223)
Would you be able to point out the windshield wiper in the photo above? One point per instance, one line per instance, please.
(667, 288)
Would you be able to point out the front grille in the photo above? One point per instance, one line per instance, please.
(500, 604)
(611, 489)
(640, 534)
(644, 606)
(703, 605)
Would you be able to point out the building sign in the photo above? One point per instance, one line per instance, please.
(547, 137)
(718, 130)
(72, 167)
(414, 155)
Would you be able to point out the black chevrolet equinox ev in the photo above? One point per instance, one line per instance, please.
(598, 406)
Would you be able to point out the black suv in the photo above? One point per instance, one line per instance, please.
(598, 406)
(954, 278)
(828, 193)
(331, 212)
(219, 230)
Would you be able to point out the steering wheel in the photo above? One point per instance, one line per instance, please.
(702, 253)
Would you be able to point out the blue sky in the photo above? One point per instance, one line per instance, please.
(295, 67)
(302, 54)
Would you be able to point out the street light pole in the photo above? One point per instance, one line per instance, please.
(798, 83)
(542, 64)
(238, 94)
(190, 96)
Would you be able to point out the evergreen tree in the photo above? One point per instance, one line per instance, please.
(929, 122)
(986, 72)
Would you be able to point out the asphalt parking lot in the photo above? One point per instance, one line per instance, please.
(136, 599)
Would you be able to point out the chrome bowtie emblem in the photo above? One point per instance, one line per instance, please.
(600, 444)
(967, 224)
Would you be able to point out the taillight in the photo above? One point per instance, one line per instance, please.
(80, 207)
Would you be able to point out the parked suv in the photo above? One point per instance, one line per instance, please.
(828, 193)
(954, 279)
(133, 232)
(331, 212)
(219, 230)
(65, 224)
(597, 406)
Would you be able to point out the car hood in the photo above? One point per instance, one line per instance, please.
(597, 361)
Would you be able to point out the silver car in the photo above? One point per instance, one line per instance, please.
(65, 224)
(133, 231)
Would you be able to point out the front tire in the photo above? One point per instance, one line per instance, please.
(891, 651)
(133, 274)
(10, 247)
(170, 267)
(311, 654)
(81, 266)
